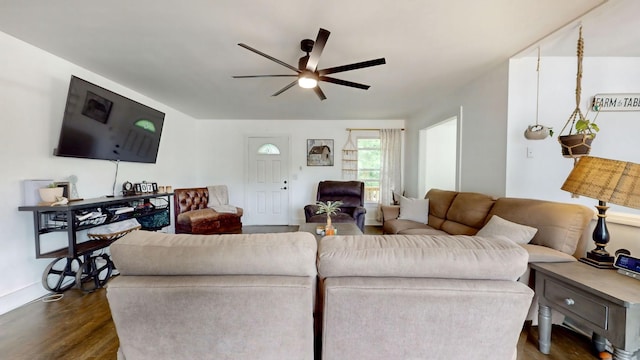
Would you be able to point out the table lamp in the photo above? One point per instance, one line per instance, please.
(608, 181)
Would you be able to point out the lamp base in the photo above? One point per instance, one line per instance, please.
(600, 264)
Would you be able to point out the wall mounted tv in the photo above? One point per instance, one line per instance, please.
(100, 124)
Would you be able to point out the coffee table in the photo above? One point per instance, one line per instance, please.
(342, 228)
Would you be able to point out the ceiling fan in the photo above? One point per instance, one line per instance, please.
(307, 72)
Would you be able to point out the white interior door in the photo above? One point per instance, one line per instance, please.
(268, 181)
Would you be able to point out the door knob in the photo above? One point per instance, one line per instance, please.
(283, 188)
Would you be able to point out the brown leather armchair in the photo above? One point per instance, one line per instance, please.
(351, 193)
(197, 212)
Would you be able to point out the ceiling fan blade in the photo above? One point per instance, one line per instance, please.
(344, 82)
(269, 57)
(319, 92)
(353, 66)
(259, 76)
(318, 46)
(293, 83)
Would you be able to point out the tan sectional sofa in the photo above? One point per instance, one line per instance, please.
(422, 297)
(562, 235)
(253, 296)
(562, 228)
(214, 296)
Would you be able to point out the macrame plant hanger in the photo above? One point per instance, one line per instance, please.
(349, 160)
(537, 131)
(582, 146)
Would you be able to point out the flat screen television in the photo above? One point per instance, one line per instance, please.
(100, 124)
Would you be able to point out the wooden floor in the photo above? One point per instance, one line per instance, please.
(79, 326)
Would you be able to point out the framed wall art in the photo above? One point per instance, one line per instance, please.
(319, 152)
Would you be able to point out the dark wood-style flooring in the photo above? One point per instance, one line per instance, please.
(79, 326)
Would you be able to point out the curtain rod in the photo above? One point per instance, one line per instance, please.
(366, 129)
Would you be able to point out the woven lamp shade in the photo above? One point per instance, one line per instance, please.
(611, 181)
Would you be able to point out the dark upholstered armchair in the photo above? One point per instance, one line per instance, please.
(351, 193)
(206, 210)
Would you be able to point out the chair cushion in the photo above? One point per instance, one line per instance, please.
(351, 193)
(338, 218)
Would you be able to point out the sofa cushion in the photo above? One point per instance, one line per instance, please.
(397, 226)
(497, 226)
(153, 253)
(539, 253)
(559, 225)
(443, 256)
(414, 209)
(468, 213)
(422, 231)
(439, 203)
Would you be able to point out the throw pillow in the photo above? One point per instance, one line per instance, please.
(497, 226)
(414, 209)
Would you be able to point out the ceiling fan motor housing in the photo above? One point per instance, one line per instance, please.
(306, 45)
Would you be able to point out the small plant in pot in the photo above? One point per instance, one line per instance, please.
(578, 143)
(329, 208)
(51, 193)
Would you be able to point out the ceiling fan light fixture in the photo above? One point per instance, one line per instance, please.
(308, 80)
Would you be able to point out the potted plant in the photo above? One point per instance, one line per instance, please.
(51, 193)
(578, 143)
(329, 208)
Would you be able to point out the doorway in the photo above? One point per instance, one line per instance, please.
(439, 156)
(267, 181)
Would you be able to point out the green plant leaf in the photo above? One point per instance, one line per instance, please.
(330, 207)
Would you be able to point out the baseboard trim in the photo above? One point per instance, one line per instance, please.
(21, 297)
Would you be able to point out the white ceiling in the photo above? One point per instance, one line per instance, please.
(183, 53)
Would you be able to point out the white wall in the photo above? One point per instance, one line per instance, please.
(33, 91)
(223, 143)
(542, 175)
(483, 133)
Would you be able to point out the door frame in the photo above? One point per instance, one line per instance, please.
(422, 153)
(247, 156)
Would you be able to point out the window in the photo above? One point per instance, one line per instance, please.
(268, 149)
(369, 167)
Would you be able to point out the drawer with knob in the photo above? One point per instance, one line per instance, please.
(577, 302)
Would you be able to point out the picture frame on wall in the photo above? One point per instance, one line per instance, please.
(320, 152)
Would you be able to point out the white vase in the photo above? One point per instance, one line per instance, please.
(50, 195)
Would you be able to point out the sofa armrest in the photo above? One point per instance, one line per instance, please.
(390, 212)
(309, 211)
(359, 211)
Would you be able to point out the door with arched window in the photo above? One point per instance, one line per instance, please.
(267, 181)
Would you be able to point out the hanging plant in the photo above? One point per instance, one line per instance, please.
(582, 131)
(537, 131)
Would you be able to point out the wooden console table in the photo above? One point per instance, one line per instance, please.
(75, 263)
(601, 300)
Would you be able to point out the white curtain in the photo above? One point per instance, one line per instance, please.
(390, 167)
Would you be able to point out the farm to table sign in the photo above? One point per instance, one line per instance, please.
(616, 102)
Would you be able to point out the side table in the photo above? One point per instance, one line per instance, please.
(602, 300)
